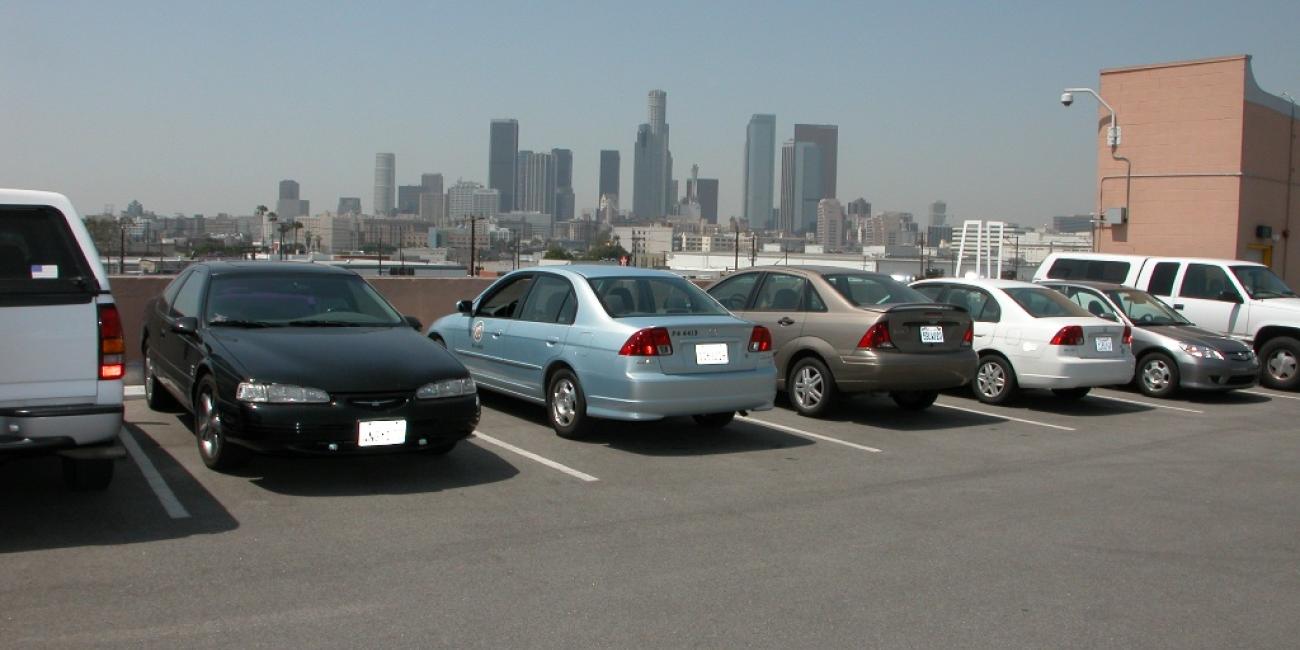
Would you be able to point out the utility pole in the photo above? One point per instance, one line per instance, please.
(753, 249)
(121, 258)
(473, 239)
(736, 264)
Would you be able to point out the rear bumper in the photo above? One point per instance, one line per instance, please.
(1212, 374)
(48, 429)
(1078, 373)
(887, 371)
(653, 396)
(312, 428)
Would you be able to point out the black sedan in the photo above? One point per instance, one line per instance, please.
(284, 356)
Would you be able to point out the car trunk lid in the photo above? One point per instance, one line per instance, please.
(926, 328)
(703, 344)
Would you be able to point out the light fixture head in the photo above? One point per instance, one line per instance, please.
(1067, 98)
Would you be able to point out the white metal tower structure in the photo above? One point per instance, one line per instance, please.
(982, 240)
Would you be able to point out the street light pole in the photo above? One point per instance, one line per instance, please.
(1290, 172)
(1113, 138)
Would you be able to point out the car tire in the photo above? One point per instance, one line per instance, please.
(87, 473)
(216, 450)
(914, 400)
(1072, 394)
(995, 381)
(714, 420)
(155, 396)
(1157, 375)
(566, 406)
(811, 387)
(1279, 361)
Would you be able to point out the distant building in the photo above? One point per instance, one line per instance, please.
(652, 162)
(349, 205)
(859, 206)
(1072, 223)
(289, 206)
(535, 189)
(503, 148)
(432, 183)
(649, 245)
(527, 225)
(801, 186)
(564, 199)
(890, 229)
(936, 236)
(385, 184)
(826, 137)
(470, 199)
(408, 199)
(938, 213)
(433, 207)
(609, 171)
(830, 224)
(760, 155)
(704, 191)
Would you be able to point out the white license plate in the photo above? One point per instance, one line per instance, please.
(374, 433)
(931, 334)
(711, 354)
(1105, 344)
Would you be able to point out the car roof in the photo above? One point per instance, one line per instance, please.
(603, 271)
(259, 267)
(1128, 257)
(1091, 284)
(32, 197)
(818, 269)
(982, 282)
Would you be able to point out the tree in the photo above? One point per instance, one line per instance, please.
(605, 251)
(557, 253)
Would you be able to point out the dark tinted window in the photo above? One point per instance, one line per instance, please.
(979, 303)
(931, 291)
(547, 300)
(1091, 301)
(815, 302)
(316, 300)
(780, 292)
(1045, 303)
(734, 291)
(1205, 281)
(1162, 279)
(504, 302)
(169, 294)
(191, 294)
(1099, 270)
(653, 296)
(863, 289)
(1261, 283)
(38, 253)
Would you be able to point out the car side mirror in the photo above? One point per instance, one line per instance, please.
(185, 325)
(413, 322)
(465, 306)
(1110, 317)
(1228, 295)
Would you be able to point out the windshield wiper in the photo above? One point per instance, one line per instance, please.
(226, 322)
(328, 323)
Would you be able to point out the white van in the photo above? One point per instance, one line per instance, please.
(1243, 300)
(61, 353)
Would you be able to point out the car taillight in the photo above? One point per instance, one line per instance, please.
(877, 337)
(1069, 335)
(760, 340)
(1128, 335)
(111, 344)
(968, 338)
(649, 342)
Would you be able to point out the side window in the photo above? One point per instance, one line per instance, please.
(931, 291)
(546, 300)
(169, 294)
(504, 302)
(1094, 303)
(982, 306)
(1099, 270)
(815, 302)
(1205, 281)
(190, 296)
(1104, 271)
(780, 292)
(1162, 279)
(734, 292)
(1066, 269)
(992, 311)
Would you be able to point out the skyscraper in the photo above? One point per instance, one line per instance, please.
(385, 184)
(608, 174)
(704, 192)
(939, 213)
(830, 224)
(826, 137)
(408, 199)
(801, 186)
(288, 207)
(432, 183)
(652, 161)
(563, 184)
(349, 205)
(535, 190)
(469, 199)
(859, 206)
(502, 169)
(760, 152)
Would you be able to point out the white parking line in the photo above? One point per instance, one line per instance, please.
(1006, 417)
(531, 456)
(807, 434)
(1151, 404)
(1260, 392)
(160, 488)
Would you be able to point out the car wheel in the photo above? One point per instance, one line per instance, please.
(217, 452)
(995, 382)
(714, 420)
(811, 387)
(566, 406)
(1279, 359)
(155, 395)
(914, 400)
(1072, 394)
(87, 473)
(1157, 375)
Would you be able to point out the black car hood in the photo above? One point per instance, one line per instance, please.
(336, 359)
(1198, 336)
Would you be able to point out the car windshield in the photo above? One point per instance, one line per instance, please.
(309, 300)
(629, 297)
(1145, 309)
(1045, 303)
(864, 289)
(1262, 283)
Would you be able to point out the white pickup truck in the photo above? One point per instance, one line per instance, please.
(61, 352)
(1243, 300)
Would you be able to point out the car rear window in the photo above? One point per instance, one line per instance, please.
(40, 256)
(630, 297)
(1046, 303)
(864, 289)
(1097, 270)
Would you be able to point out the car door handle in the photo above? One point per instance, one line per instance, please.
(552, 341)
(497, 334)
(785, 320)
(1178, 306)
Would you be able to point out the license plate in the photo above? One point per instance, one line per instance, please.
(1105, 344)
(711, 354)
(931, 334)
(374, 433)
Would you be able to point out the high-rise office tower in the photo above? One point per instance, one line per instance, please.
(535, 191)
(760, 153)
(939, 213)
(830, 224)
(564, 201)
(704, 193)
(349, 205)
(801, 186)
(289, 206)
(385, 184)
(652, 161)
(408, 199)
(608, 174)
(468, 199)
(432, 183)
(859, 206)
(503, 150)
(826, 137)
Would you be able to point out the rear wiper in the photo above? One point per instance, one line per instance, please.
(227, 322)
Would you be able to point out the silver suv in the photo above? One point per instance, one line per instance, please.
(61, 355)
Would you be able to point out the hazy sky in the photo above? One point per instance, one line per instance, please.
(203, 107)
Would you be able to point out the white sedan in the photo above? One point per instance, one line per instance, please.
(1029, 336)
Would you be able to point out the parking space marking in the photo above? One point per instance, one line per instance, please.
(1006, 417)
(1260, 392)
(807, 434)
(160, 488)
(1151, 404)
(583, 476)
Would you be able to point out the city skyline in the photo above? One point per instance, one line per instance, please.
(971, 117)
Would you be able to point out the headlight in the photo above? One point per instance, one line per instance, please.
(1201, 351)
(279, 394)
(446, 388)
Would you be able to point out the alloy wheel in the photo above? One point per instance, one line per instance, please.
(991, 380)
(1156, 375)
(148, 378)
(809, 386)
(209, 427)
(1282, 365)
(564, 402)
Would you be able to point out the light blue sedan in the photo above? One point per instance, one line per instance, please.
(613, 342)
